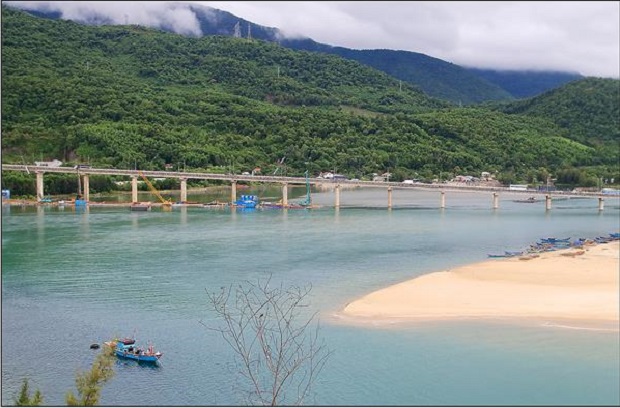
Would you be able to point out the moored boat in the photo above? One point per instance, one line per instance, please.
(145, 206)
(554, 240)
(499, 255)
(127, 348)
(216, 204)
(247, 201)
(527, 200)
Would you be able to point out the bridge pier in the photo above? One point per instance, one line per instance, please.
(495, 201)
(442, 201)
(337, 191)
(233, 191)
(39, 185)
(86, 187)
(601, 203)
(285, 195)
(183, 190)
(389, 191)
(134, 189)
(547, 202)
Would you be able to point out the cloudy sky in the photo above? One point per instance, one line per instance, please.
(574, 36)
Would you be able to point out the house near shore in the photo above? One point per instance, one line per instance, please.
(465, 179)
(381, 177)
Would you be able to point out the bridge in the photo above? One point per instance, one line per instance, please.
(83, 173)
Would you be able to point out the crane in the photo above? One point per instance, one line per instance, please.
(154, 190)
(308, 200)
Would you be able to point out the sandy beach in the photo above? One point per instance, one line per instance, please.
(566, 284)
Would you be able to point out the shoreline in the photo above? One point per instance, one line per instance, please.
(571, 286)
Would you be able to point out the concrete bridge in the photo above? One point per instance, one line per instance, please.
(84, 174)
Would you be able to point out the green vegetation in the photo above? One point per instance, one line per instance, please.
(588, 112)
(526, 84)
(507, 143)
(435, 77)
(588, 109)
(25, 400)
(89, 383)
(131, 97)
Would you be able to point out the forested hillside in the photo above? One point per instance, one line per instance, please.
(130, 96)
(437, 78)
(526, 84)
(588, 108)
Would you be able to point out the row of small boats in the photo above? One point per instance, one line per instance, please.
(253, 202)
(554, 244)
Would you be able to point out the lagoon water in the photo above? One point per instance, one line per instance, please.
(71, 278)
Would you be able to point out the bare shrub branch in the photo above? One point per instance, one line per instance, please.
(278, 348)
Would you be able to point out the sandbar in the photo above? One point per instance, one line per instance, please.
(571, 284)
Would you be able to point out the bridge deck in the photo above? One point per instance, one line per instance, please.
(288, 180)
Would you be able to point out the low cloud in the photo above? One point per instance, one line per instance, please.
(581, 37)
(177, 17)
(570, 36)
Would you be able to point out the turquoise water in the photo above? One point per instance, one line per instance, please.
(71, 278)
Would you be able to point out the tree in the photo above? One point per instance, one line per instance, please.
(24, 399)
(89, 383)
(277, 350)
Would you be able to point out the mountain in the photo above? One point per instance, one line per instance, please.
(589, 108)
(525, 84)
(129, 96)
(437, 78)
(121, 94)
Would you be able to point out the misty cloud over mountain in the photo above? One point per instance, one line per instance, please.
(171, 16)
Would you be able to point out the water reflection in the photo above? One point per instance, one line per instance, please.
(40, 224)
(183, 215)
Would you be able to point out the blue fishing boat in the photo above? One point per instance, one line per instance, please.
(554, 240)
(127, 348)
(247, 201)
